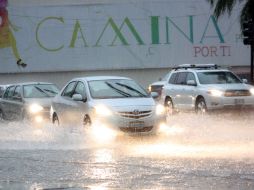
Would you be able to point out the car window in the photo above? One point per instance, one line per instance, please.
(17, 91)
(9, 92)
(190, 76)
(68, 91)
(181, 79)
(218, 77)
(172, 78)
(80, 89)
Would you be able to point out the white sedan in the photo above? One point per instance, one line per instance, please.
(107, 101)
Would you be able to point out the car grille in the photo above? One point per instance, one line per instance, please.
(232, 93)
(136, 129)
(156, 88)
(135, 114)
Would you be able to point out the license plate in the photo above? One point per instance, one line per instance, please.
(136, 124)
(239, 101)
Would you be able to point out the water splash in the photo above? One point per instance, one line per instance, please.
(186, 135)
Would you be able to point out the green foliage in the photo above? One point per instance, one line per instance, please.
(222, 6)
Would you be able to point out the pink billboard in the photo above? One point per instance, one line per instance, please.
(3, 3)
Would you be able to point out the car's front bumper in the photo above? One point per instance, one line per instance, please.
(129, 125)
(230, 102)
(39, 118)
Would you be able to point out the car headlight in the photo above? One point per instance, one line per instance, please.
(215, 92)
(252, 91)
(149, 88)
(160, 109)
(102, 110)
(35, 108)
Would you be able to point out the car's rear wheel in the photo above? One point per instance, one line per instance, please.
(169, 107)
(55, 120)
(87, 122)
(200, 107)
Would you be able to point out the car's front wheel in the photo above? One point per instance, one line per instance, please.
(200, 107)
(169, 107)
(55, 120)
(87, 122)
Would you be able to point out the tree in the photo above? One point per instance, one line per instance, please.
(222, 6)
(247, 14)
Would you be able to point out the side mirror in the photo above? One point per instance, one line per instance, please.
(160, 79)
(77, 97)
(191, 83)
(245, 80)
(154, 94)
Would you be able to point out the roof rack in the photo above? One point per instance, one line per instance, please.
(196, 66)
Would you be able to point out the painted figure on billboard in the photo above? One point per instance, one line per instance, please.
(7, 39)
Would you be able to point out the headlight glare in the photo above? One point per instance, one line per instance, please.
(102, 110)
(160, 109)
(215, 92)
(252, 91)
(149, 88)
(35, 108)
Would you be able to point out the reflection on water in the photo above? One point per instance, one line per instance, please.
(191, 152)
(103, 156)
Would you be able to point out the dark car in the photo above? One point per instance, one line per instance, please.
(27, 101)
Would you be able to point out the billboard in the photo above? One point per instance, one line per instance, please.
(117, 35)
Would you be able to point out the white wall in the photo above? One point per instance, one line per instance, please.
(136, 34)
(144, 77)
(58, 39)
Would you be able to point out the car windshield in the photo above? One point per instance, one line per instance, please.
(40, 90)
(219, 77)
(115, 88)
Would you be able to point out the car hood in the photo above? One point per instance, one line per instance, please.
(225, 87)
(125, 102)
(162, 83)
(45, 102)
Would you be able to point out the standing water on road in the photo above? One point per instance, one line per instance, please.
(191, 152)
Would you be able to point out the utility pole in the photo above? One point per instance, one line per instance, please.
(251, 63)
(248, 33)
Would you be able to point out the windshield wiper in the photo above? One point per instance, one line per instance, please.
(132, 89)
(51, 91)
(118, 90)
(41, 90)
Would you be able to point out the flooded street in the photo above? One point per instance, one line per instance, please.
(192, 152)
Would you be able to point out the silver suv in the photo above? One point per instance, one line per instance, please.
(205, 87)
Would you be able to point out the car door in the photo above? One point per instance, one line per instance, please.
(188, 92)
(179, 89)
(64, 103)
(80, 108)
(7, 102)
(16, 104)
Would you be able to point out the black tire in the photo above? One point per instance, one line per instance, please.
(24, 116)
(170, 110)
(55, 120)
(200, 107)
(1, 115)
(87, 122)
